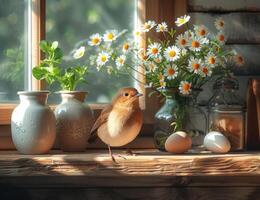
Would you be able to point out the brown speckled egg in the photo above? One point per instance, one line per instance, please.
(178, 142)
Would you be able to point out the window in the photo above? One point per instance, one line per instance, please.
(79, 25)
(71, 23)
(13, 49)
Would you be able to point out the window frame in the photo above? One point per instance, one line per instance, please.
(158, 10)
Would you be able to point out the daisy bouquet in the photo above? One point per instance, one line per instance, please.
(184, 62)
(187, 61)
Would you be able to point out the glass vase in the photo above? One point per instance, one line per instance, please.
(169, 117)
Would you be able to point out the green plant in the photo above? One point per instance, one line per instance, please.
(51, 71)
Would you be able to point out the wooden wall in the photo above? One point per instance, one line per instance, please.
(242, 28)
(242, 19)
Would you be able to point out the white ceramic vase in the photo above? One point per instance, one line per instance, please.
(33, 123)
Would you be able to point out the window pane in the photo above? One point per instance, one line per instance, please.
(71, 22)
(12, 48)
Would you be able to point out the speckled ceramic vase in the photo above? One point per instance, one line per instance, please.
(33, 123)
(74, 121)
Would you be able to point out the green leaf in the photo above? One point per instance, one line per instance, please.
(39, 72)
(58, 54)
(44, 46)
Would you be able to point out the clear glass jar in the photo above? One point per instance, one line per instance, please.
(227, 112)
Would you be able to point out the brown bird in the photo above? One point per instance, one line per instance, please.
(120, 122)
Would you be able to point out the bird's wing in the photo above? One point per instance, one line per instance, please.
(100, 120)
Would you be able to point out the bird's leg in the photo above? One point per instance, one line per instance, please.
(111, 154)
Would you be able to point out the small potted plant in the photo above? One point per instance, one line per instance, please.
(73, 118)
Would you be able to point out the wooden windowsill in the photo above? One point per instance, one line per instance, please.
(149, 168)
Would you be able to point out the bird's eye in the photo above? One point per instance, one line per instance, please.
(126, 94)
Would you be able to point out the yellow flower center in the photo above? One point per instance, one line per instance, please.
(195, 44)
(240, 59)
(110, 36)
(221, 23)
(147, 26)
(126, 46)
(186, 86)
(202, 32)
(221, 37)
(155, 50)
(212, 60)
(171, 71)
(121, 60)
(196, 66)
(205, 70)
(182, 20)
(183, 42)
(95, 40)
(172, 53)
(103, 58)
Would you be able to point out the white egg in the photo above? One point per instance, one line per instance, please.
(216, 142)
(178, 142)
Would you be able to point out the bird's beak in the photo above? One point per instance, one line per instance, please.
(139, 95)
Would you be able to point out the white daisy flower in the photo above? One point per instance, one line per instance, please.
(172, 53)
(162, 80)
(137, 34)
(201, 30)
(205, 71)
(195, 43)
(182, 41)
(147, 26)
(185, 87)
(102, 58)
(110, 35)
(183, 52)
(120, 61)
(239, 60)
(211, 60)
(162, 27)
(188, 34)
(152, 67)
(95, 39)
(79, 52)
(195, 65)
(154, 50)
(126, 47)
(171, 72)
(182, 20)
(158, 59)
(219, 23)
(221, 37)
(110, 69)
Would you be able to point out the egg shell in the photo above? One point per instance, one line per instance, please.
(216, 142)
(178, 142)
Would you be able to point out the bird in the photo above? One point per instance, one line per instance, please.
(119, 122)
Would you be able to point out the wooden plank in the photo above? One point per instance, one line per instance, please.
(170, 193)
(223, 5)
(147, 168)
(240, 28)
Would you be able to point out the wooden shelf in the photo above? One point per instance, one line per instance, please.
(148, 175)
(147, 168)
